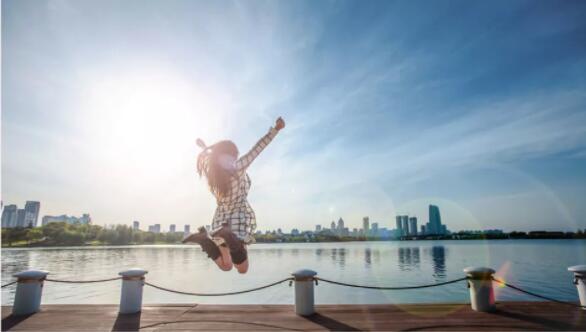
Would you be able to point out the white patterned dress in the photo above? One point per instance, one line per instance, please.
(234, 209)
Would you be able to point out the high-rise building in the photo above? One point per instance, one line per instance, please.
(9, 216)
(404, 225)
(20, 220)
(366, 226)
(172, 228)
(186, 229)
(135, 225)
(374, 229)
(423, 231)
(413, 226)
(31, 213)
(317, 228)
(399, 225)
(435, 221)
(157, 228)
(333, 227)
(341, 226)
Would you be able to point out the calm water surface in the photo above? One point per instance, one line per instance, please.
(538, 265)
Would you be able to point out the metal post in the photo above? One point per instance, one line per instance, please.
(580, 282)
(481, 291)
(304, 302)
(131, 295)
(29, 289)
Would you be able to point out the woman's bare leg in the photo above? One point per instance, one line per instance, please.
(224, 262)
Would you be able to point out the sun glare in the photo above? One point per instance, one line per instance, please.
(147, 122)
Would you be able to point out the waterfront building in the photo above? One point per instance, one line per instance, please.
(84, 219)
(399, 225)
(186, 229)
(423, 231)
(295, 232)
(135, 225)
(366, 226)
(157, 228)
(404, 225)
(20, 222)
(172, 228)
(413, 226)
(317, 228)
(31, 213)
(333, 227)
(340, 226)
(374, 229)
(435, 221)
(10, 216)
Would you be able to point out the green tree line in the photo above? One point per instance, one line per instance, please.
(63, 234)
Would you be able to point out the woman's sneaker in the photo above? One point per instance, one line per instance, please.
(198, 237)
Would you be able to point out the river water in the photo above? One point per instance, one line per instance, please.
(537, 265)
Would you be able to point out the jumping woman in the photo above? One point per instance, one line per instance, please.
(234, 221)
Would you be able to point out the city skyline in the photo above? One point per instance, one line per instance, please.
(480, 113)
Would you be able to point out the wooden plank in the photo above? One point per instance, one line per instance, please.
(408, 317)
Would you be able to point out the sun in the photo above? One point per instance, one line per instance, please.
(145, 122)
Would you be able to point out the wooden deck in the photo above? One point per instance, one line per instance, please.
(413, 317)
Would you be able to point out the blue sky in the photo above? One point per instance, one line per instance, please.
(478, 107)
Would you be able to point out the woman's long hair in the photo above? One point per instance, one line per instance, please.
(216, 162)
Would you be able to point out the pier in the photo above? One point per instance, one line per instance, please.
(409, 317)
(482, 313)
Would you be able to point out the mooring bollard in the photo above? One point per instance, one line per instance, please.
(481, 291)
(580, 282)
(304, 303)
(131, 295)
(29, 289)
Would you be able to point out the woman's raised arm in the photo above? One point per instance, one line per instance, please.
(243, 162)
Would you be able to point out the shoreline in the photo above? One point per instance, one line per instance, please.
(93, 245)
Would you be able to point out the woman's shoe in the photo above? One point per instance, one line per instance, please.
(198, 237)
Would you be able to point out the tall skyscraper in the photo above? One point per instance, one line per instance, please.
(413, 226)
(31, 213)
(135, 225)
(341, 226)
(404, 225)
(20, 220)
(172, 228)
(9, 216)
(399, 226)
(157, 228)
(435, 220)
(374, 229)
(333, 227)
(366, 226)
(186, 229)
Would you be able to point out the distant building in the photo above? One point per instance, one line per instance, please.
(434, 226)
(295, 232)
(84, 219)
(366, 226)
(157, 228)
(340, 226)
(399, 225)
(333, 227)
(404, 225)
(317, 228)
(31, 213)
(135, 225)
(413, 226)
(374, 229)
(423, 231)
(186, 229)
(172, 228)
(20, 220)
(10, 216)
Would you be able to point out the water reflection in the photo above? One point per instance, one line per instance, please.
(438, 256)
(367, 257)
(409, 258)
